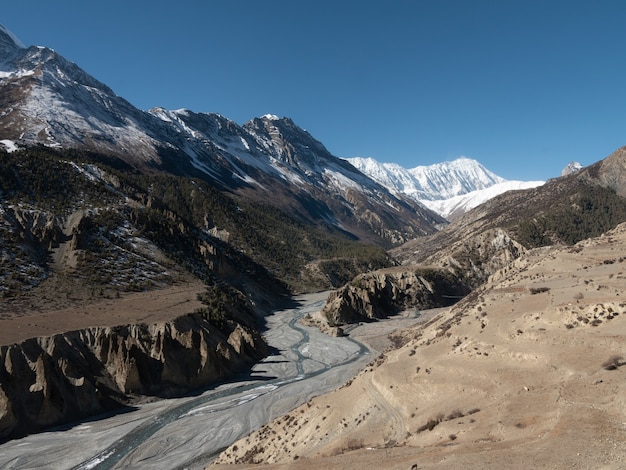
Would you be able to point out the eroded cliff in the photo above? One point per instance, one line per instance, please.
(385, 292)
(57, 379)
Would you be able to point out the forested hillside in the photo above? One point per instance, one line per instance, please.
(121, 221)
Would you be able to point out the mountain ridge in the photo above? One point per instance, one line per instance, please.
(51, 101)
(448, 188)
(430, 182)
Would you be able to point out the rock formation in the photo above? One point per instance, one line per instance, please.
(385, 292)
(51, 380)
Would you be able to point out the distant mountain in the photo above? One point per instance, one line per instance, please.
(448, 188)
(456, 206)
(563, 211)
(433, 182)
(571, 167)
(48, 100)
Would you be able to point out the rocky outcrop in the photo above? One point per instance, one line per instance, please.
(477, 257)
(472, 253)
(52, 380)
(386, 292)
(609, 173)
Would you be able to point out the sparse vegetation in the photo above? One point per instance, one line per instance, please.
(538, 290)
(613, 362)
(429, 426)
(454, 415)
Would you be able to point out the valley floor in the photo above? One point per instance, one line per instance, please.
(526, 372)
(188, 432)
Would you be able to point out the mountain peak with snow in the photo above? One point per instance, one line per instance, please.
(434, 182)
(572, 167)
(448, 188)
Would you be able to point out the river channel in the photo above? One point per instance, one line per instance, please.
(187, 433)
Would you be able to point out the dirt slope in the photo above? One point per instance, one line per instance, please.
(527, 372)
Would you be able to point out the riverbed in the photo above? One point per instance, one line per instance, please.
(187, 433)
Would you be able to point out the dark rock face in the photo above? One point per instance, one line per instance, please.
(53, 380)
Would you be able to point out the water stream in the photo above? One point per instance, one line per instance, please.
(189, 432)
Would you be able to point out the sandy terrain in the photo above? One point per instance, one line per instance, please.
(529, 372)
(143, 307)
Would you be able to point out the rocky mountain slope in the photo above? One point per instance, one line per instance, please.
(449, 188)
(609, 173)
(527, 371)
(50, 101)
(564, 210)
(454, 207)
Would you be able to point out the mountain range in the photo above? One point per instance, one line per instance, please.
(51, 101)
(448, 188)
(48, 100)
(101, 201)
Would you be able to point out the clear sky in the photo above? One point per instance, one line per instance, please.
(523, 86)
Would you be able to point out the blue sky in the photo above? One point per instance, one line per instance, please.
(523, 86)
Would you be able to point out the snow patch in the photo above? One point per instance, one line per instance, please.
(341, 181)
(9, 145)
(17, 74)
(245, 143)
(465, 202)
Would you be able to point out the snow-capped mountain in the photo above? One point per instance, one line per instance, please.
(433, 182)
(46, 99)
(572, 167)
(448, 188)
(49, 100)
(456, 206)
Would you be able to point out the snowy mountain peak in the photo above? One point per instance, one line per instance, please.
(433, 182)
(270, 117)
(572, 167)
(448, 188)
(9, 41)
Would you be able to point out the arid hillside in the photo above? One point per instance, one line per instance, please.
(528, 371)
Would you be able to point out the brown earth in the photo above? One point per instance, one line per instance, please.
(527, 372)
(38, 319)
